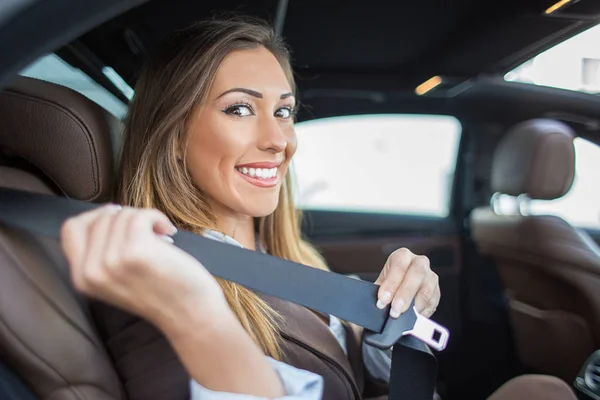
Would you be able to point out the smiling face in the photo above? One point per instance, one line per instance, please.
(241, 139)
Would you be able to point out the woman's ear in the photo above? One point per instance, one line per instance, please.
(181, 149)
(179, 152)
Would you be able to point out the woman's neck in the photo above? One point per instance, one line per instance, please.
(241, 228)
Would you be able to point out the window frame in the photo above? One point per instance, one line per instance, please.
(119, 98)
(79, 56)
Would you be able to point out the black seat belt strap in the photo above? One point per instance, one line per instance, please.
(414, 368)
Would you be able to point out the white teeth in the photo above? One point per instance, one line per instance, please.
(263, 173)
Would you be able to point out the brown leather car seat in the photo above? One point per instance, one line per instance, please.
(53, 140)
(550, 269)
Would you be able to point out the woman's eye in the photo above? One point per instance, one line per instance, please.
(239, 110)
(284, 112)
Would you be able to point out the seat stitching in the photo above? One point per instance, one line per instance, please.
(80, 123)
(49, 301)
(45, 363)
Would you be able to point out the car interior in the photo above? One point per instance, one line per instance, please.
(454, 155)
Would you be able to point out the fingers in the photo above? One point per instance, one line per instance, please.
(405, 277)
(91, 272)
(75, 239)
(413, 280)
(146, 222)
(428, 296)
(94, 241)
(74, 234)
(116, 239)
(392, 275)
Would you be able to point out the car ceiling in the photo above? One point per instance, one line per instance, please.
(410, 41)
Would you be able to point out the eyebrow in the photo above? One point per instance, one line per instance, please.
(253, 93)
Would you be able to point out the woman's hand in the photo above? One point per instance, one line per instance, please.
(407, 276)
(124, 256)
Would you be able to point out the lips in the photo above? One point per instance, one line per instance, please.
(261, 164)
(261, 174)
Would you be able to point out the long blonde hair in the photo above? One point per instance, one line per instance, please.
(171, 85)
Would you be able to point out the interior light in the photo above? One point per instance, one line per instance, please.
(428, 85)
(557, 6)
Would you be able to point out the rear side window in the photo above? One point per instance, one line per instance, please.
(389, 163)
(52, 68)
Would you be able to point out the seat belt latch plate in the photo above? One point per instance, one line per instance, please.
(409, 323)
(432, 333)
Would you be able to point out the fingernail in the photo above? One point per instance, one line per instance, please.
(168, 239)
(384, 299)
(396, 309)
(173, 230)
(113, 207)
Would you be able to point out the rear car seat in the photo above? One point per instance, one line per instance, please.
(53, 140)
(551, 270)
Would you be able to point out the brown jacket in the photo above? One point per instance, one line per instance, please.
(150, 369)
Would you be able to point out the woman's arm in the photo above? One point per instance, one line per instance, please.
(225, 363)
(220, 356)
(298, 385)
(119, 256)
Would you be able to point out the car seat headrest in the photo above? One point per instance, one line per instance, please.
(66, 137)
(536, 158)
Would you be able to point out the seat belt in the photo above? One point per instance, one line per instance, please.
(414, 367)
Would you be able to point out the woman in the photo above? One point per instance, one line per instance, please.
(209, 140)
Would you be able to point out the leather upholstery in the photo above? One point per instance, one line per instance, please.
(63, 134)
(551, 270)
(46, 335)
(534, 387)
(536, 158)
(21, 180)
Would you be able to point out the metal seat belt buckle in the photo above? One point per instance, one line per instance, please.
(430, 332)
(409, 323)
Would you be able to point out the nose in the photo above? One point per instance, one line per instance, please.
(272, 136)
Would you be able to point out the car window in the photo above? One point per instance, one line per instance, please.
(52, 68)
(573, 64)
(377, 163)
